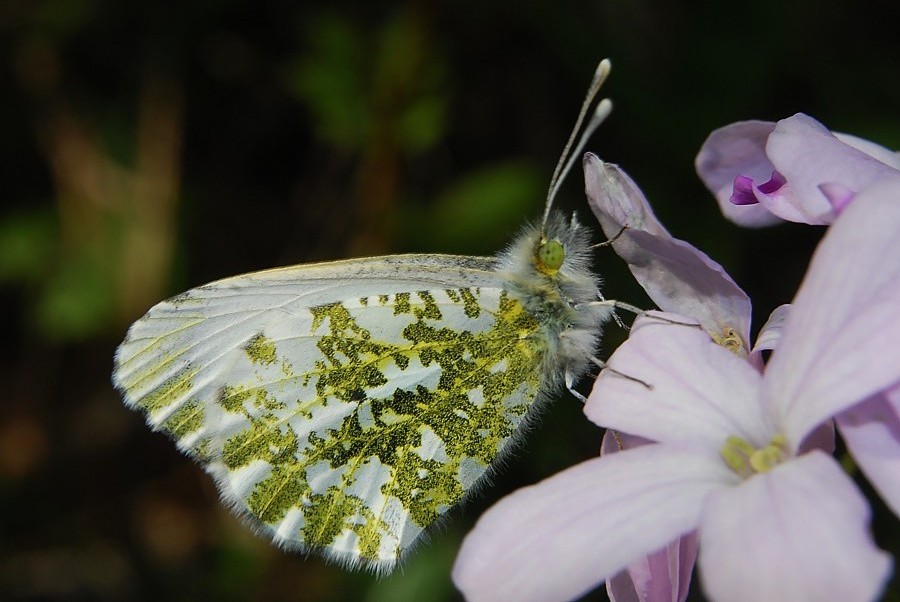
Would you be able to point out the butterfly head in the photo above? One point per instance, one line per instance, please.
(560, 248)
(549, 257)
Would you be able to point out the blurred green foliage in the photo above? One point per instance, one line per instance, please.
(26, 242)
(473, 215)
(152, 147)
(359, 85)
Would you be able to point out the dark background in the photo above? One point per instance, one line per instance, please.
(148, 147)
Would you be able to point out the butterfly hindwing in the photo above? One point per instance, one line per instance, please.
(344, 406)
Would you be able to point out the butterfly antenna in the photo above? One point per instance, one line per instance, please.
(570, 152)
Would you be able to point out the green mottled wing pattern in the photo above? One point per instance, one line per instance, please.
(344, 407)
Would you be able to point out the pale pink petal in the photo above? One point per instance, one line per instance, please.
(799, 532)
(616, 200)
(681, 279)
(791, 206)
(871, 431)
(567, 534)
(737, 150)
(691, 390)
(664, 576)
(688, 545)
(876, 151)
(821, 438)
(614, 441)
(837, 195)
(768, 336)
(677, 276)
(807, 155)
(839, 344)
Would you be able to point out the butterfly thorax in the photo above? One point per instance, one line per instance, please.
(549, 269)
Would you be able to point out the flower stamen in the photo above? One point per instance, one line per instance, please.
(730, 340)
(746, 460)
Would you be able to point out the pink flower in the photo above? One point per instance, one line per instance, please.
(796, 170)
(731, 452)
(677, 276)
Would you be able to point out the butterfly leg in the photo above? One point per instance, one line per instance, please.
(608, 243)
(605, 368)
(618, 305)
(570, 386)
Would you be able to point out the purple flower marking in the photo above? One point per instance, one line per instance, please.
(805, 172)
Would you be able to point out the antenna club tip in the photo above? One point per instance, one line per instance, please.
(569, 153)
(601, 73)
(603, 69)
(604, 108)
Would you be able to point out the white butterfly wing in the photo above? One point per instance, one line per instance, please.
(342, 406)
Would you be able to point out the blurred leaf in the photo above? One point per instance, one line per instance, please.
(425, 577)
(77, 300)
(330, 81)
(27, 242)
(238, 570)
(355, 82)
(407, 79)
(422, 125)
(64, 17)
(402, 48)
(475, 214)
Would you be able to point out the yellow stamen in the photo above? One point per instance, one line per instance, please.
(730, 340)
(746, 460)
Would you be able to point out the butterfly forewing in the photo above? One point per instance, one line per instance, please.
(342, 406)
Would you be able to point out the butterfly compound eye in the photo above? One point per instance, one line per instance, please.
(550, 256)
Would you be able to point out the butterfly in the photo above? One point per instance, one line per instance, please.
(344, 407)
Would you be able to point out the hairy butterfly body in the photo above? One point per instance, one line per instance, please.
(344, 407)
